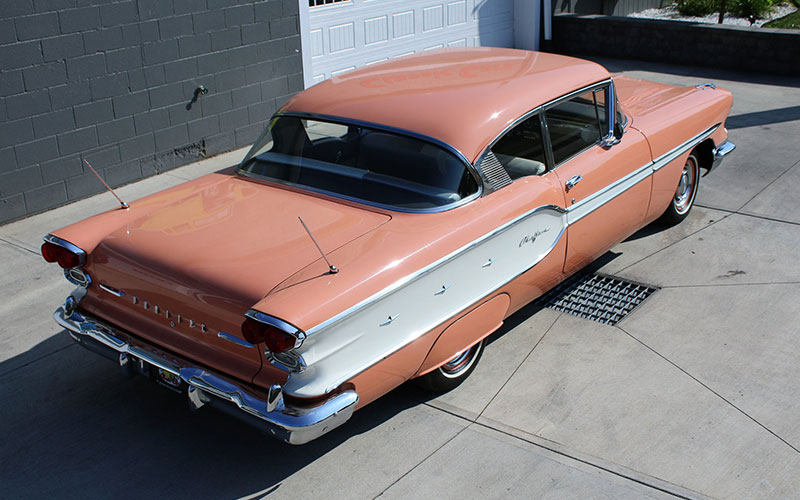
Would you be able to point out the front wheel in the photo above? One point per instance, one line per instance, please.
(451, 374)
(685, 193)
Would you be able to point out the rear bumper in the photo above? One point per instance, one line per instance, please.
(290, 424)
(720, 152)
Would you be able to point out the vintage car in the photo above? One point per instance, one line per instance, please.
(386, 222)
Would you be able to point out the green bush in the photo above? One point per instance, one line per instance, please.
(698, 7)
(756, 9)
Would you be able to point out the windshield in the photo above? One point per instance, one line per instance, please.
(360, 163)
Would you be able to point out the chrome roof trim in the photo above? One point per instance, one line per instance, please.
(430, 267)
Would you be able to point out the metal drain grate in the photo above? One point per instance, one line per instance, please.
(598, 297)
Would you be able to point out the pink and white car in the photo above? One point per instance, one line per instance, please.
(386, 222)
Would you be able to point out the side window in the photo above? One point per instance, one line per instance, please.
(521, 150)
(576, 124)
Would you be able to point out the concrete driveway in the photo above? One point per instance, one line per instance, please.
(696, 394)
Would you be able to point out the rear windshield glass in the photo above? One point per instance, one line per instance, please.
(359, 162)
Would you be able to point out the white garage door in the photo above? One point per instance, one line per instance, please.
(346, 34)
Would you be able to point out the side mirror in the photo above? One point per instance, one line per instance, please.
(618, 131)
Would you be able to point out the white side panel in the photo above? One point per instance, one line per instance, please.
(348, 35)
(337, 350)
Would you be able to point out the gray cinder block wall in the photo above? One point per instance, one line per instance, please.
(739, 48)
(112, 82)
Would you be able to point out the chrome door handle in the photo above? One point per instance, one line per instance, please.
(572, 181)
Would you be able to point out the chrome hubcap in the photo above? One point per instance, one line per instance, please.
(460, 362)
(684, 195)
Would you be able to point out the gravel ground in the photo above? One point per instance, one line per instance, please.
(672, 13)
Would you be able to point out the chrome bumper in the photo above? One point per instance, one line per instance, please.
(720, 152)
(292, 425)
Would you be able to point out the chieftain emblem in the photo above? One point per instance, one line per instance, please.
(531, 238)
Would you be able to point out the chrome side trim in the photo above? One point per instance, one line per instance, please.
(579, 210)
(290, 424)
(430, 267)
(598, 199)
(666, 158)
(233, 338)
(447, 314)
(69, 246)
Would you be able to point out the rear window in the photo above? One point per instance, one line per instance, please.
(359, 162)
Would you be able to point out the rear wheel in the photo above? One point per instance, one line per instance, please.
(685, 193)
(451, 374)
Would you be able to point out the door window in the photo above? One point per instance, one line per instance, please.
(521, 150)
(576, 124)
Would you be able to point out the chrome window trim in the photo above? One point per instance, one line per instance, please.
(69, 246)
(506, 130)
(599, 142)
(385, 128)
(434, 265)
(542, 109)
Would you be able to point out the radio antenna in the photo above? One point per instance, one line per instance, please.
(333, 268)
(122, 203)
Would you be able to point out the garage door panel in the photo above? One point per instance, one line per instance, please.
(353, 34)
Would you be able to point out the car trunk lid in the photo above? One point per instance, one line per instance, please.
(184, 272)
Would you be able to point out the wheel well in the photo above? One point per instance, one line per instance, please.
(705, 154)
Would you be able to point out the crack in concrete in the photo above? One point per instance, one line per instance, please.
(673, 243)
(750, 214)
(713, 285)
(409, 471)
(480, 414)
(40, 358)
(707, 387)
(769, 184)
(461, 417)
(18, 244)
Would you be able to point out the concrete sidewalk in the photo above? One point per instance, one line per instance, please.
(694, 395)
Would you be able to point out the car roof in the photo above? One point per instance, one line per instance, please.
(462, 96)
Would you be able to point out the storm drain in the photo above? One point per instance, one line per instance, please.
(598, 297)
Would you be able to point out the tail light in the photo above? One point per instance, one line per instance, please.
(276, 339)
(55, 253)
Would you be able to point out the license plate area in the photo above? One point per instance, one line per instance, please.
(169, 380)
